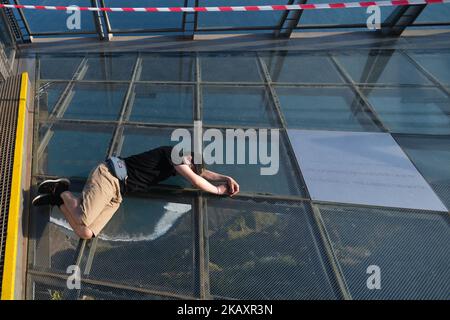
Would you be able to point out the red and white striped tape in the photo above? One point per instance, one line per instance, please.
(361, 4)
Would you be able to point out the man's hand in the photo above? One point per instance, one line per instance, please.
(222, 189)
(233, 186)
(230, 187)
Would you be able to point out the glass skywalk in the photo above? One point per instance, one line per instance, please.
(271, 241)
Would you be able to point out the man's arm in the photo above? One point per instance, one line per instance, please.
(214, 176)
(200, 182)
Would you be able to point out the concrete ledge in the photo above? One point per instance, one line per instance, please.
(411, 39)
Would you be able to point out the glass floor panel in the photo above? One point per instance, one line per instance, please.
(58, 67)
(380, 67)
(48, 95)
(73, 151)
(431, 156)
(265, 251)
(265, 243)
(301, 68)
(283, 181)
(162, 104)
(218, 68)
(252, 104)
(55, 248)
(303, 108)
(110, 67)
(412, 110)
(95, 101)
(148, 243)
(437, 63)
(411, 266)
(168, 67)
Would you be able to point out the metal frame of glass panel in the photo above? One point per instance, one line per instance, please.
(86, 249)
(290, 21)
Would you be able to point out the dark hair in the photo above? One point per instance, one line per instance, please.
(201, 166)
(192, 154)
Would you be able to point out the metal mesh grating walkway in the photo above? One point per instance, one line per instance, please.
(9, 101)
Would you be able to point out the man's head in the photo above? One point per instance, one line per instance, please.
(188, 159)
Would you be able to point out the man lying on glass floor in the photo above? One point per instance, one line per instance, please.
(109, 180)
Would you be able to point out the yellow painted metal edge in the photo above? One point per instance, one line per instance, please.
(12, 233)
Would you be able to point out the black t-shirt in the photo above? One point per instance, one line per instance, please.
(149, 168)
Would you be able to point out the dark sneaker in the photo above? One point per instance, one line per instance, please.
(56, 186)
(47, 200)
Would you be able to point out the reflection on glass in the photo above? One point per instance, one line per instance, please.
(434, 14)
(85, 101)
(301, 67)
(247, 106)
(217, 67)
(162, 104)
(110, 67)
(239, 19)
(140, 20)
(437, 63)
(249, 177)
(380, 67)
(48, 94)
(265, 251)
(73, 152)
(95, 101)
(411, 249)
(431, 156)
(61, 250)
(349, 16)
(304, 108)
(412, 110)
(167, 67)
(57, 21)
(148, 243)
(55, 243)
(58, 67)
